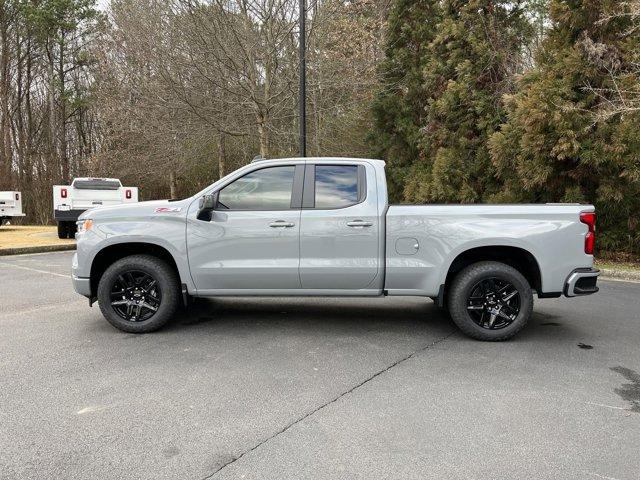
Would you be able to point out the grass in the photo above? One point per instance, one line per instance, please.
(627, 266)
(13, 236)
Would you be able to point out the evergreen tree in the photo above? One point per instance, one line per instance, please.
(556, 146)
(450, 74)
(399, 109)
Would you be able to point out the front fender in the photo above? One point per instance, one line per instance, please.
(168, 234)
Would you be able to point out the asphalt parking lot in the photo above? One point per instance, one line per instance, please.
(313, 388)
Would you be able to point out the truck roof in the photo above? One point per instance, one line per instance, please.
(318, 159)
(96, 178)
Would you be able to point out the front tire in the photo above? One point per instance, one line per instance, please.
(62, 230)
(139, 293)
(490, 301)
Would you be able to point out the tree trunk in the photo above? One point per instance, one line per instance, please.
(222, 156)
(173, 185)
(264, 136)
(5, 127)
(62, 122)
(54, 159)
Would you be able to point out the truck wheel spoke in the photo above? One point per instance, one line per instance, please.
(136, 296)
(493, 303)
(509, 296)
(148, 306)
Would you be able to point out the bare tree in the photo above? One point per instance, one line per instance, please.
(47, 127)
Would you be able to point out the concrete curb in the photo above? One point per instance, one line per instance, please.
(619, 274)
(38, 249)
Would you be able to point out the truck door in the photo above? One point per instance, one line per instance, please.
(252, 240)
(339, 227)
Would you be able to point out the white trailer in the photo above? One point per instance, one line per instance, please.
(69, 201)
(10, 206)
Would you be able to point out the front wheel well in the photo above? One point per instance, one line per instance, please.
(518, 258)
(112, 253)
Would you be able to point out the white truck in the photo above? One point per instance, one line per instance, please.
(324, 227)
(69, 201)
(10, 206)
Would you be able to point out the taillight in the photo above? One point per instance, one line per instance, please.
(63, 193)
(590, 240)
(127, 194)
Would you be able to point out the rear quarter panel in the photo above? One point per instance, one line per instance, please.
(553, 234)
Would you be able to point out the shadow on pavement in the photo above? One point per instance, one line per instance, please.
(367, 314)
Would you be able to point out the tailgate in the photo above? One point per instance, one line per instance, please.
(7, 199)
(84, 199)
(11, 204)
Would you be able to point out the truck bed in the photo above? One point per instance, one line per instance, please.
(422, 241)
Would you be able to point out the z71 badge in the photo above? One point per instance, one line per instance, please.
(167, 209)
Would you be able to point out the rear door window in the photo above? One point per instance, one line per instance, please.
(337, 186)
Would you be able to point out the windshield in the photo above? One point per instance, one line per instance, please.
(96, 184)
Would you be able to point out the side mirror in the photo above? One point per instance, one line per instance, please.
(208, 202)
(207, 205)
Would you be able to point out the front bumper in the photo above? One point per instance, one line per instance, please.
(582, 281)
(82, 285)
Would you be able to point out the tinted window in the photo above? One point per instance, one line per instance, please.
(336, 186)
(266, 189)
(96, 184)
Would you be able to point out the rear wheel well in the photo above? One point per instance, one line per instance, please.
(112, 253)
(517, 258)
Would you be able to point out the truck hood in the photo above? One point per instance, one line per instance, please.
(150, 209)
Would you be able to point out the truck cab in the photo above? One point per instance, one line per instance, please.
(296, 225)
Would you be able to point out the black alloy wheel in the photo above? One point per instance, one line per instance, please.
(493, 303)
(135, 296)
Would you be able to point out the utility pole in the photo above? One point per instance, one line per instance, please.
(303, 80)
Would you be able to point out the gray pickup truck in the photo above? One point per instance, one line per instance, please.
(323, 227)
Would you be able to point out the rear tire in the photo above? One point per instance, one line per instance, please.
(117, 295)
(62, 230)
(490, 301)
(72, 228)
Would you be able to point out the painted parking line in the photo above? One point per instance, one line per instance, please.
(22, 267)
(52, 306)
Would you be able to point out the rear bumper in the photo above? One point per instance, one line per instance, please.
(67, 215)
(582, 281)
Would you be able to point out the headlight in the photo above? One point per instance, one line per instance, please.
(85, 225)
